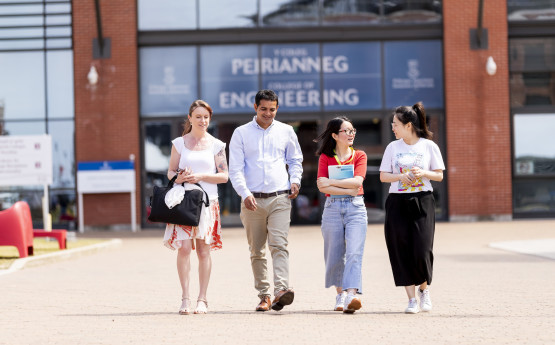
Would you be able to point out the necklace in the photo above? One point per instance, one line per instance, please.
(194, 143)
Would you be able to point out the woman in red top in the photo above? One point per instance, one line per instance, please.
(341, 171)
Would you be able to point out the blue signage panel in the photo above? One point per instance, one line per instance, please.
(293, 71)
(106, 165)
(229, 77)
(168, 80)
(413, 73)
(352, 76)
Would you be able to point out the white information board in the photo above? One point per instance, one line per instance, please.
(106, 177)
(25, 160)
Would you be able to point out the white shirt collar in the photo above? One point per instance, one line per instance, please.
(256, 125)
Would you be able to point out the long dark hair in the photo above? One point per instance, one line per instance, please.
(415, 115)
(194, 105)
(327, 142)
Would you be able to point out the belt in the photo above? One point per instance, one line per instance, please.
(269, 195)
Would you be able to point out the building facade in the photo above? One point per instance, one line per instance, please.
(357, 58)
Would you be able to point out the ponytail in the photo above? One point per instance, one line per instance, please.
(417, 116)
(422, 130)
(187, 126)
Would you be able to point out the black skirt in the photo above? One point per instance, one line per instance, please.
(409, 236)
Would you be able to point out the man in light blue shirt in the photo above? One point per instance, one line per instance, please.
(259, 152)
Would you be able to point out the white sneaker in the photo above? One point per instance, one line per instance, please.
(412, 308)
(352, 304)
(425, 300)
(340, 301)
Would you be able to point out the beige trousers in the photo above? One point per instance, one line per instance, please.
(269, 222)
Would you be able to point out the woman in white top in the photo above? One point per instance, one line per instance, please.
(197, 157)
(409, 164)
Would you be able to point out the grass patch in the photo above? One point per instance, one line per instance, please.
(41, 246)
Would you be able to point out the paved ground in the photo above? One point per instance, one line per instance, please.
(130, 294)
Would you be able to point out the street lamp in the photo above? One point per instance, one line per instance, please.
(92, 76)
(491, 66)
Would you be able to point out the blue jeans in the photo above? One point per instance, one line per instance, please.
(344, 225)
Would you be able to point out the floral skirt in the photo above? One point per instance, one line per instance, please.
(209, 229)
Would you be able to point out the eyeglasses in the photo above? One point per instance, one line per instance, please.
(349, 131)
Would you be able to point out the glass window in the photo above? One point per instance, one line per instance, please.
(32, 195)
(532, 64)
(535, 195)
(24, 127)
(167, 14)
(52, 43)
(158, 147)
(532, 54)
(60, 84)
(532, 88)
(531, 9)
(58, 20)
(227, 13)
(63, 155)
(352, 12)
(413, 73)
(22, 86)
(534, 151)
(63, 31)
(22, 44)
(58, 8)
(293, 71)
(168, 80)
(63, 209)
(21, 9)
(21, 32)
(157, 151)
(352, 76)
(412, 11)
(21, 21)
(288, 12)
(229, 77)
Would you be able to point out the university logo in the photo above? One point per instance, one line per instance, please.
(169, 87)
(413, 81)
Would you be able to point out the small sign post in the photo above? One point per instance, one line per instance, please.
(27, 160)
(106, 177)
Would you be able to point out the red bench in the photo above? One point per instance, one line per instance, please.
(60, 235)
(16, 229)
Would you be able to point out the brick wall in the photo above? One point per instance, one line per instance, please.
(477, 113)
(106, 115)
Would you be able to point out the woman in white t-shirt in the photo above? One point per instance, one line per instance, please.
(197, 157)
(409, 164)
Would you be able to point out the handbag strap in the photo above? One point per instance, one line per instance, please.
(206, 203)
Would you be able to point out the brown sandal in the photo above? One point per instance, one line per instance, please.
(202, 306)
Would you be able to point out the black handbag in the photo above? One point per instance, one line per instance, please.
(187, 212)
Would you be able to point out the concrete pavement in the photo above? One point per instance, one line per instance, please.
(131, 294)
